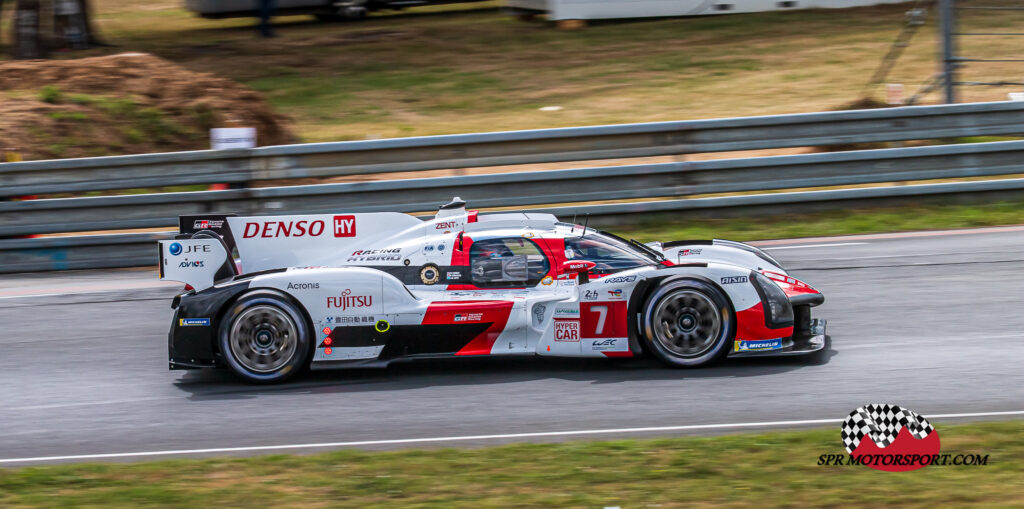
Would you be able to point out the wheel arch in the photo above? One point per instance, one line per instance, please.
(259, 290)
(643, 290)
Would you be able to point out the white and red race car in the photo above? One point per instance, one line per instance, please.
(338, 290)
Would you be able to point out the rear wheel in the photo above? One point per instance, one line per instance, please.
(688, 323)
(264, 338)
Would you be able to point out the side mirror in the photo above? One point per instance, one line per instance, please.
(581, 267)
(577, 266)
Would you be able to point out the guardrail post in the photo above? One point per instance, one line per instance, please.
(947, 17)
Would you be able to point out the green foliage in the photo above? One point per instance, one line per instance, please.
(837, 222)
(51, 94)
(742, 470)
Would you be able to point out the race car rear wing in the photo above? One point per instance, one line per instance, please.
(198, 262)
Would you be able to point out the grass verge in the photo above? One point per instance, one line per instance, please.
(777, 469)
(471, 68)
(837, 222)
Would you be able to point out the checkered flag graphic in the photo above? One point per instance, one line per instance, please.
(882, 423)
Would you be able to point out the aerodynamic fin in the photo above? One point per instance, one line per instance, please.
(198, 263)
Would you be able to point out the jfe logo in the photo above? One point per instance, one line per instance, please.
(344, 226)
(177, 249)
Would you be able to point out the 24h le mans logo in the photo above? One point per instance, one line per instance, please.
(889, 438)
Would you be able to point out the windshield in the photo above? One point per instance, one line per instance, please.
(610, 253)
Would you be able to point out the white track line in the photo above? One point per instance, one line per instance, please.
(814, 245)
(401, 441)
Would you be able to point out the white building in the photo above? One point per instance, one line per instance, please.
(598, 9)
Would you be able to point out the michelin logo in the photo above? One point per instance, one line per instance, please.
(193, 322)
(754, 346)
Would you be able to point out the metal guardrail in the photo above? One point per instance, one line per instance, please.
(523, 188)
(510, 148)
(552, 188)
(138, 249)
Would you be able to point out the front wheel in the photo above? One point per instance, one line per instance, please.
(264, 338)
(688, 323)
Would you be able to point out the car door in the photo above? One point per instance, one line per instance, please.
(510, 269)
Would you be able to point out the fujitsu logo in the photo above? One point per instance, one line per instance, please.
(347, 300)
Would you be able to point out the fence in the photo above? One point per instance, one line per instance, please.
(557, 189)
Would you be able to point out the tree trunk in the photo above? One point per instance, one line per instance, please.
(28, 42)
(69, 24)
(93, 35)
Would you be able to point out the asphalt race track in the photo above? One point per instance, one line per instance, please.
(930, 321)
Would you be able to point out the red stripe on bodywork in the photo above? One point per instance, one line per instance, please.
(495, 312)
(750, 326)
(618, 354)
(789, 284)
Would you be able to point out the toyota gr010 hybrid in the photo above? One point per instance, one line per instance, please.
(339, 290)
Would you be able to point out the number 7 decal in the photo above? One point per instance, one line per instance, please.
(602, 312)
(603, 319)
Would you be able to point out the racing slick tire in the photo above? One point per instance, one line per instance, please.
(688, 323)
(265, 338)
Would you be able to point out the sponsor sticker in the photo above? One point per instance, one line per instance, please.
(538, 313)
(206, 224)
(345, 226)
(193, 264)
(759, 345)
(453, 275)
(376, 255)
(468, 317)
(547, 281)
(288, 229)
(620, 279)
(591, 295)
(177, 249)
(352, 319)
(615, 294)
(608, 345)
(430, 274)
(567, 312)
(193, 322)
(303, 286)
(734, 279)
(446, 225)
(347, 300)
(566, 330)
(689, 252)
(428, 248)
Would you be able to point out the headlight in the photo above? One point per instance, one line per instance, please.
(778, 311)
